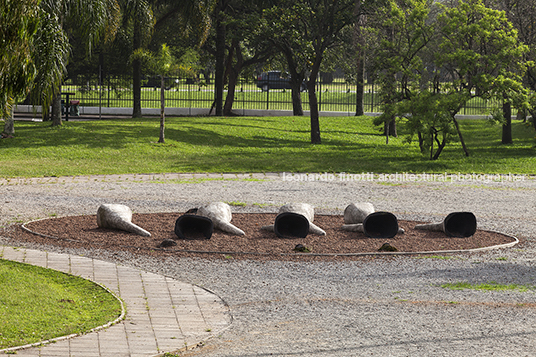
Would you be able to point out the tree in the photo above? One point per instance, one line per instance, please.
(42, 61)
(429, 73)
(164, 64)
(481, 52)
(138, 15)
(427, 117)
(247, 46)
(303, 31)
(189, 16)
(93, 19)
(280, 28)
(51, 54)
(19, 21)
(402, 34)
(522, 14)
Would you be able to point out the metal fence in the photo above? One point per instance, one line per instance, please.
(336, 95)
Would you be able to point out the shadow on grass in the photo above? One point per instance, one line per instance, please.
(260, 144)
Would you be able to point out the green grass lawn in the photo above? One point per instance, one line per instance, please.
(38, 304)
(251, 144)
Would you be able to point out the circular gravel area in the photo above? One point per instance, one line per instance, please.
(370, 306)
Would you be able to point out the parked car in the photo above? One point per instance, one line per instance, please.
(154, 82)
(275, 80)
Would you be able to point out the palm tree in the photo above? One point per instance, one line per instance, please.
(190, 15)
(42, 59)
(51, 52)
(93, 19)
(138, 15)
(18, 26)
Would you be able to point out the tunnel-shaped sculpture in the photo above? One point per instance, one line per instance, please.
(221, 216)
(460, 224)
(117, 216)
(191, 226)
(456, 224)
(355, 215)
(380, 225)
(291, 225)
(285, 221)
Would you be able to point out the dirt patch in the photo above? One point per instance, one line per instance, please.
(82, 231)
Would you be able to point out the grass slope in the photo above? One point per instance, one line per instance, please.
(251, 144)
(37, 304)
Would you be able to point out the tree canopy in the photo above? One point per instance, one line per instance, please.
(429, 57)
(19, 21)
(430, 67)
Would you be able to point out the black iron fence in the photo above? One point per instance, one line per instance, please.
(335, 95)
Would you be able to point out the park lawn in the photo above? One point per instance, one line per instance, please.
(251, 144)
(38, 304)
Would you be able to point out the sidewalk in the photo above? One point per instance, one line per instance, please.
(162, 314)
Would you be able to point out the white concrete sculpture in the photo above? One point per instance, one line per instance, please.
(220, 214)
(119, 217)
(357, 212)
(303, 209)
(355, 215)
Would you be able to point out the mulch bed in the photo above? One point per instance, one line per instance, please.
(82, 231)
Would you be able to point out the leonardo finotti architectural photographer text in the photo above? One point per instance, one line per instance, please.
(402, 177)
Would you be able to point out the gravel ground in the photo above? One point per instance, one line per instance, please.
(381, 307)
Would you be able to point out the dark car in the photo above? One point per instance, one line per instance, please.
(154, 82)
(275, 80)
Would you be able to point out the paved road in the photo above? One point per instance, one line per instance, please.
(380, 307)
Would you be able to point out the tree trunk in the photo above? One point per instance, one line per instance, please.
(231, 90)
(9, 125)
(56, 110)
(521, 115)
(533, 118)
(296, 80)
(460, 136)
(56, 100)
(313, 108)
(389, 100)
(391, 128)
(232, 72)
(162, 110)
(136, 75)
(421, 142)
(360, 87)
(136, 89)
(440, 145)
(359, 44)
(296, 88)
(220, 65)
(507, 127)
